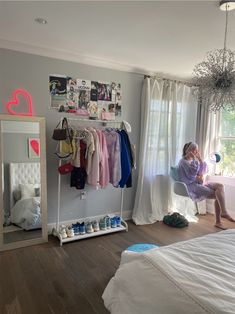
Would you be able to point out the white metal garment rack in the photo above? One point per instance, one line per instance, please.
(123, 227)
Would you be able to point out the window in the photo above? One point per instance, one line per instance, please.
(165, 127)
(227, 143)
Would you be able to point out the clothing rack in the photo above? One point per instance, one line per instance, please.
(103, 122)
(123, 227)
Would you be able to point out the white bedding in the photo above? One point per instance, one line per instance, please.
(195, 276)
(26, 213)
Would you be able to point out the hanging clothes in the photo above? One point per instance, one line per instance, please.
(93, 177)
(101, 157)
(78, 174)
(78, 178)
(126, 160)
(104, 160)
(88, 139)
(113, 147)
(79, 155)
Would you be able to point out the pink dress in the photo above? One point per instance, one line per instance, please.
(94, 174)
(104, 160)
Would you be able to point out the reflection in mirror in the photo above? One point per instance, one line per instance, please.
(21, 181)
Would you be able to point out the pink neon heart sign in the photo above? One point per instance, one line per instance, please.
(35, 146)
(13, 104)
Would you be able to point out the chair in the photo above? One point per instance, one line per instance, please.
(180, 188)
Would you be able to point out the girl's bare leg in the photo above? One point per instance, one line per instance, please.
(220, 198)
(218, 223)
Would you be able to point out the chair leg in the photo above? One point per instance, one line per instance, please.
(197, 212)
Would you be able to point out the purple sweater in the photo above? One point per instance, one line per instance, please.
(188, 172)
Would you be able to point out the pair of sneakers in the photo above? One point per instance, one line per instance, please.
(92, 226)
(108, 222)
(79, 228)
(66, 232)
(105, 223)
(116, 222)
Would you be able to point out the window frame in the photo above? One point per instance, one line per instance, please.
(220, 138)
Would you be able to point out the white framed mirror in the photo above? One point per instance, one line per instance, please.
(23, 193)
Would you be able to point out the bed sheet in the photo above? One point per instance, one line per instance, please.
(195, 276)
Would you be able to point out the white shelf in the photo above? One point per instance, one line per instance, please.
(80, 119)
(123, 227)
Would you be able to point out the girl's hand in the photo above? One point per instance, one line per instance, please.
(200, 179)
(199, 157)
(189, 155)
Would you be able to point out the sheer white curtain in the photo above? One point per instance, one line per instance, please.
(168, 121)
(207, 137)
(208, 124)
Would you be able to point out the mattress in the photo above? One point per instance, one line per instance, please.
(195, 276)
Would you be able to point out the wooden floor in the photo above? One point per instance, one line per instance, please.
(48, 278)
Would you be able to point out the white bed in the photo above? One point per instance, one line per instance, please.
(195, 276)
(25, 195)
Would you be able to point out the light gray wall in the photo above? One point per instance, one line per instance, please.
(16, 147)
(31, 72)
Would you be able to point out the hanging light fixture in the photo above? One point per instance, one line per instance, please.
(215, 76)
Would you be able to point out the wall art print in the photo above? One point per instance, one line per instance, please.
(85, 98)
(34, 147)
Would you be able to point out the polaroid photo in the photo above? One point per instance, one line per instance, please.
(104, 91)
(83, 84)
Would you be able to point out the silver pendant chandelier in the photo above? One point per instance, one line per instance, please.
(215, 76)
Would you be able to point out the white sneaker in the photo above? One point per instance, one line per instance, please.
(95, 225)
(63, 232)
(70, 232)
(89, 228)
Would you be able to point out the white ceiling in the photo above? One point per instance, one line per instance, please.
(163, 37)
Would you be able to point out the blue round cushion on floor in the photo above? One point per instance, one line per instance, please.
(141, 247)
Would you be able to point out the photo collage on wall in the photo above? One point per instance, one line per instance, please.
(88, 99)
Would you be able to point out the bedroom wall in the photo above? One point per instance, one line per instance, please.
(16, 147)
(31, 72)
(229, 186)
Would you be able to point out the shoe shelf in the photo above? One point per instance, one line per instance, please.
(123, 227)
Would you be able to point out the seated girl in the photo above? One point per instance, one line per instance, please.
(191, 171)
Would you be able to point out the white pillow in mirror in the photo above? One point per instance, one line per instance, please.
(27, 190)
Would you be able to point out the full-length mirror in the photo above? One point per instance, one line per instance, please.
(23, 186)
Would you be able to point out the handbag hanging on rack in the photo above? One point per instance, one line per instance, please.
(66, 147)
(64, 135)
(60, 134)
(65, 168)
